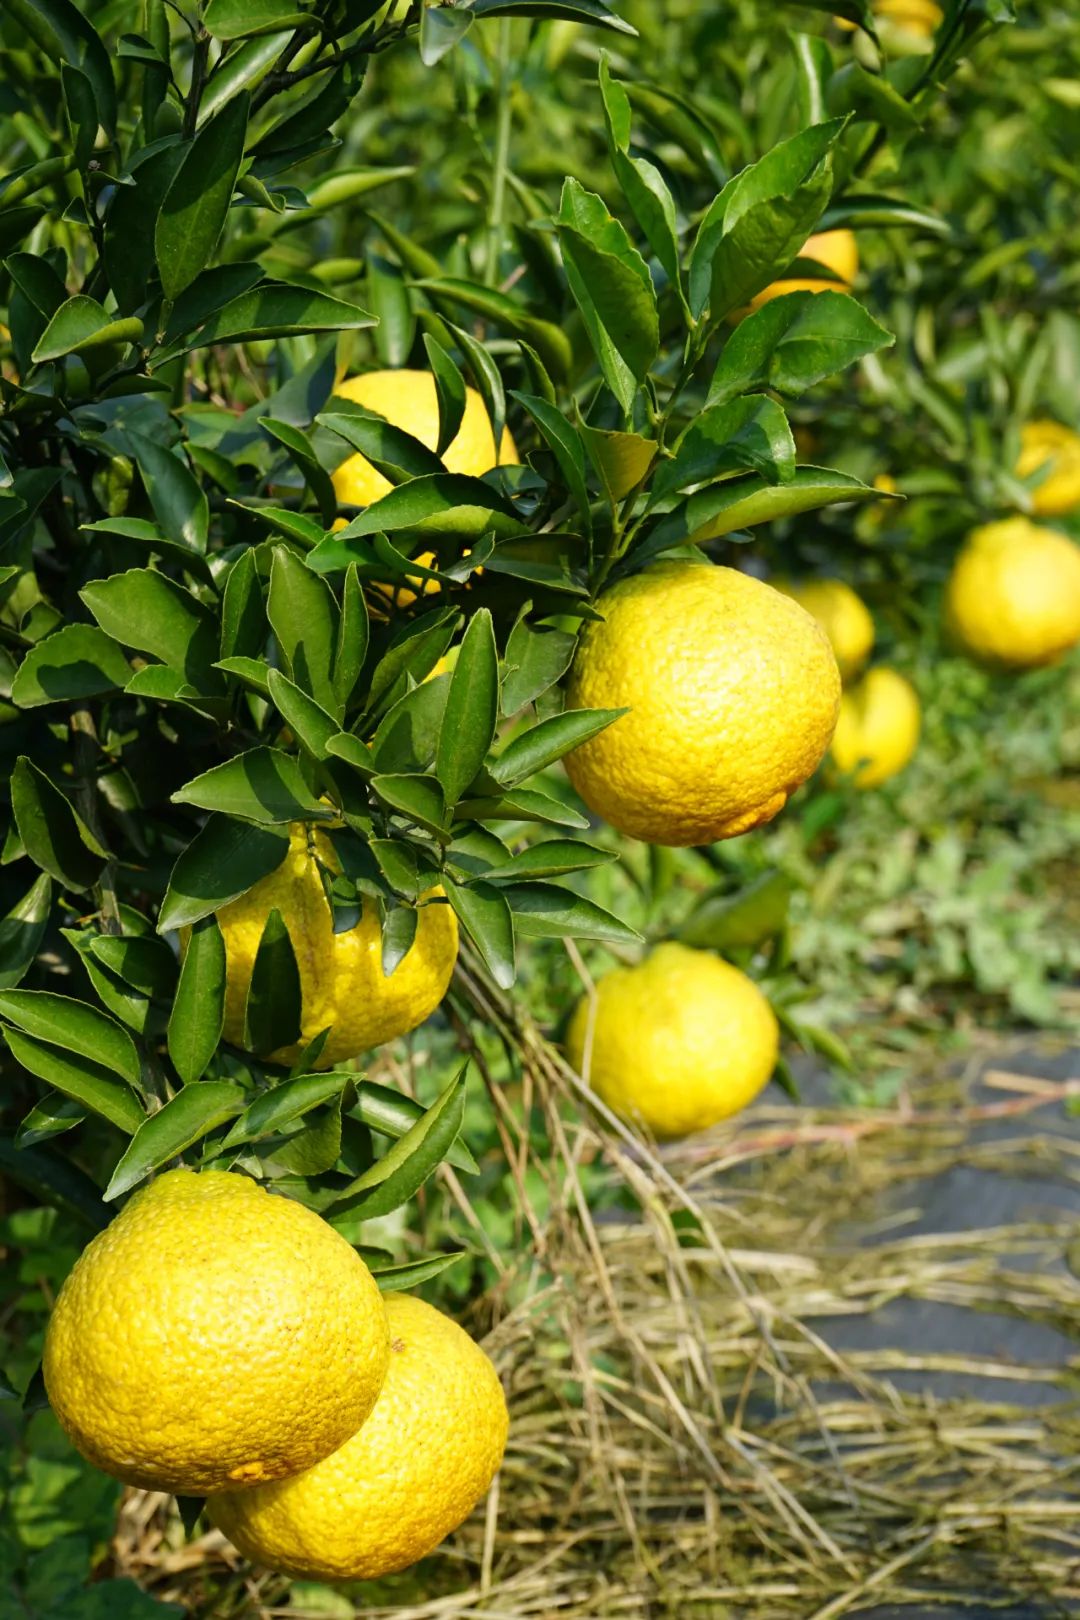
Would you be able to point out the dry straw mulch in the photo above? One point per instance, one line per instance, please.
(687, 1441)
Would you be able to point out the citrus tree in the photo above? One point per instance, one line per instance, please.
(279, 743)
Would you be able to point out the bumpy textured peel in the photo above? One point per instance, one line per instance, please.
(343, 986)
(878, 729)
(1053, 451)
(1013, 597)
(214, 1335)
(678, 1043)
(733, 693)
(413, 1473)
(842, 615)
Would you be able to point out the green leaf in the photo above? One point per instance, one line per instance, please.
(404, 1168)
(140, 960)
(193, 213)
(741, 502)
(793, 342)
(244, 625)
(418, 798)
(642, 184)
(274, 310)
(391, 451)
(184, 1120)
(537, 657)
(547, 911)
(241, 19)
(449, 391)
(751, 431)
(565, 444)
(472, 709)
(273, 1008)
(307, 720)
(612, 288)
(408, 733)
(52, 1116)
(223, 860)
(542, 744)
(586, 11)
(178, 499)
(76, 1027)
(77, 661)
(880, 212)
(145, 610)
(621, 460)
(523, 804)
(276, 1109)
(198, 1012)
(54, 835)
(554, 857)
(391, 1113)
(398, 933)
(263, 785)
(304, 619)
(724, 922)
(411, 1273)
(150, 534)
(354, 632)
(81, 324)
(311, 469)
(549, 340)
(66, 35)
(445, 504)
(483, 912)
(89, 1083)
(22, 931)
(388, 295)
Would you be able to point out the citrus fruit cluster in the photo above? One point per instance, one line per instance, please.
(218, 1340)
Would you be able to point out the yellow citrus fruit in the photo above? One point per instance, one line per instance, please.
(678, 1043)
(408, 400)
(837, 250)
(732, 690)
(343, 986)
(413, 1473)
(1013, 597)
(842, 615)
(212, 1336)
(918, 17)
(1051, 451)
(878, 728)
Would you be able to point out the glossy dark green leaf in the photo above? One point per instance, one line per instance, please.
(129, 222)
(223, 860)
(595, 12)
(612, 287)
(80, 325)
(275, 310)
(273, 1008)
(145, 610)
(553, 858)
(244, 625)
(184, 1120)
(418, 798)
(51, 1117)
(130, 1006)
(78, 661)
(391, 1113)
(794, 341)
(880, 212)
(66, 1022)
(414, 654)
(472, 709)
(523, 804)
(408, 734)
(274, 1110)
(749, 432)
(398, 934)
(548, 741)
(449, 391)
(68, 36)
(404, 1168)
(176, 495)
(193, 213)
(198, 1011)
(22, 931)
(307, 720)
(641, 182)
(388, 294)
(392, 451)
(547, 911)
(565, 444)
(537, 657)
(140, 960)
(549, 340)
(303, 455)
(445, 504)
(153, 537)
(484, 914)
(240, 19)
(53, 833)
(742, 502)
(411, 1273)
(91, 1084)
(263, 785)
(354, 632)
(304, 619)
